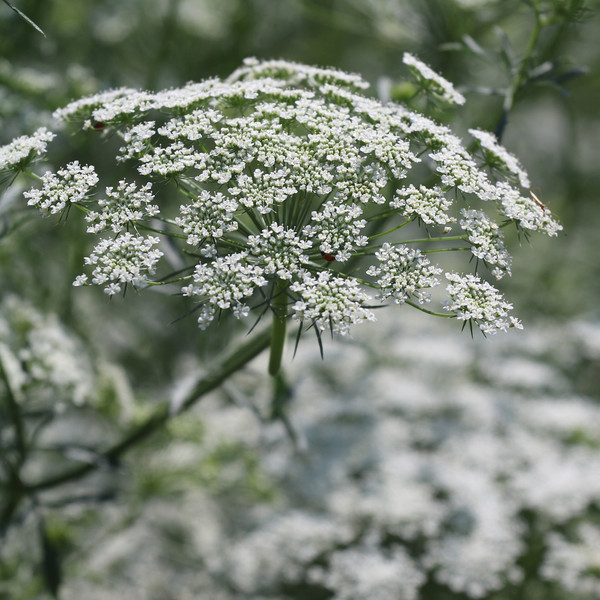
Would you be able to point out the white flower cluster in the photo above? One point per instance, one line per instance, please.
(477, 300)
(207, 216)
(429, 204)
(486, 239)
(122, 208)
(428, 77)
(330, 301)
(22, 150)
(499, 156)
(127, 258)
(359, 573)
(404, 272)
(226, 281)
(576, 564)
(68, 186)
(296, 538)
(526, 211)
(288, 174)
(280, 251)
(41, 360)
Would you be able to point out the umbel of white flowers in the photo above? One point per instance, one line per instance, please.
(296, 194)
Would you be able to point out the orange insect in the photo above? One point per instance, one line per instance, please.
(328, 257)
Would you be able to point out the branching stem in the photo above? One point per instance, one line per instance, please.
(232, 363)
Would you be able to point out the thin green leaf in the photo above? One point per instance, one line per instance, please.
(474, 47)
(451, 47)
(506, 51)
(318, 334)
(298, 338)
(541, 70)
(571, 74)
(23, 16)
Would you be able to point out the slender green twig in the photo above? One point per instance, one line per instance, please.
(376, 235)
(522, 74)
(451, 238)
(430, 312)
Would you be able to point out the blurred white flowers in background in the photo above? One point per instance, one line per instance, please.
(418, 469)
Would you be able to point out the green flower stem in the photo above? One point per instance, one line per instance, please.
(385, 215)
(144, 227)
(376, 235)
(452, 238)
(446, 250)
(279, 306)
(32, 175)
(232, 363)
(367, 250)
(430, 312)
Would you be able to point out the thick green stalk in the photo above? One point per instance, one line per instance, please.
(279, 306)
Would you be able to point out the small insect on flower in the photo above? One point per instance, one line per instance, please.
(99, 125)
(328, 257)
(537, 201)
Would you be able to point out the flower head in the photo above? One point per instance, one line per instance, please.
(296, 193)
(128, 258)
(427, 77)
(475, 300)
(68, 186)
(22, 150)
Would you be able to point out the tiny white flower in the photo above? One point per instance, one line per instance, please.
(80, 280)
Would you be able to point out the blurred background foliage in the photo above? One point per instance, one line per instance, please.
(92, 45)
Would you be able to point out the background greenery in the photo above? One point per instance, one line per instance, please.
(92, 45)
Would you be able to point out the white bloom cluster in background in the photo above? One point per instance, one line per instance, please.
(576, 563)
(40, 359)
(21, 151)
(290, 180)
(427, 77)
(421, 471)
